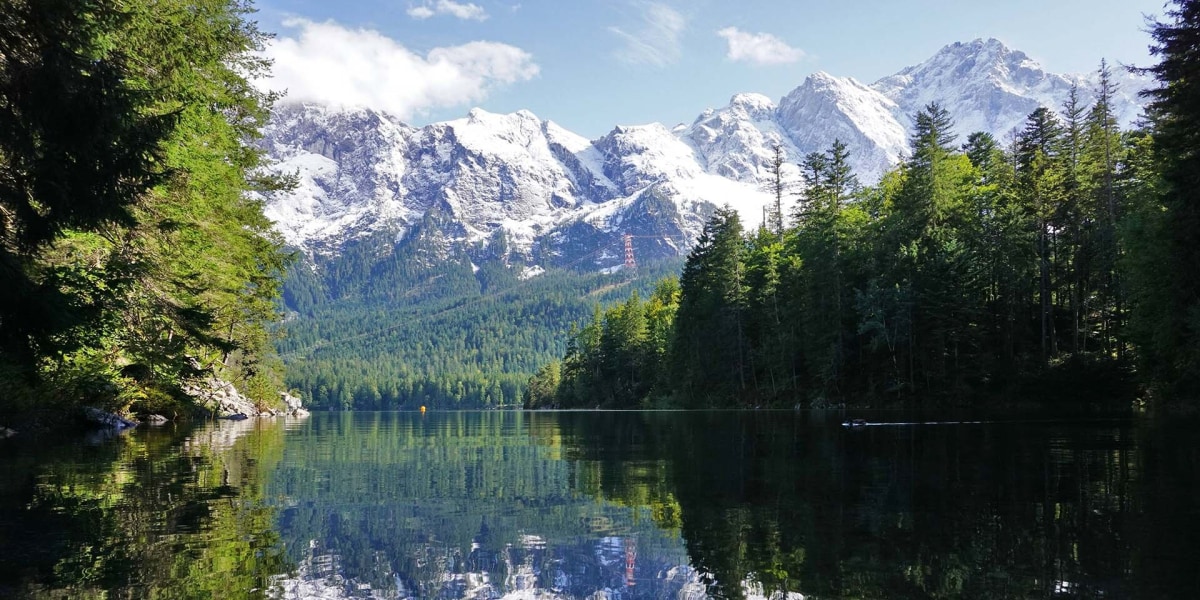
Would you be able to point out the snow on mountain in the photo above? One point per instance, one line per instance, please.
(984, 85)
(559, 198)
(349, 165)
(827, 108)
(360, 172)
(987, 86)
(737, 142)
(512, 171)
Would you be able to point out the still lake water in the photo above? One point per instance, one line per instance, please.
(606, 505)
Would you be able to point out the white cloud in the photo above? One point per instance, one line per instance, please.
(332, 64)
(420, 12)
(758, 48)
(466, 11)
(655, 39)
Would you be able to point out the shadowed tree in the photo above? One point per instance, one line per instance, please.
(1168, 281)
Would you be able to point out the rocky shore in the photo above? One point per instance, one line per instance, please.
(222, 400)
(214, 397)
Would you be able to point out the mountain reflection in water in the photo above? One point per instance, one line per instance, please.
(609, 505)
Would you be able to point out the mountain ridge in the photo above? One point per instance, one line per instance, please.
(555, 198)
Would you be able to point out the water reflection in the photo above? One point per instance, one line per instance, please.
(655, 505)
(1027, 509)
(460, 505)
(607, 505)
(165, 513)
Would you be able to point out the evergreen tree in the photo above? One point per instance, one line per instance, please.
(778, 189)
(1168, 326)
(129, 129)
(80, 144)
(955, 274)
(766, 304)
(711, 358)
(822, 296)
(1002, 242)
(925, 252)
(1042, 179)
(1075, 220)
(1102, 148)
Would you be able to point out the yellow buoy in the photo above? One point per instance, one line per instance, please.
(422, 409)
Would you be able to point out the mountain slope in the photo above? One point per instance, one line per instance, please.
(989, 87)
(529, 192)
(826, 108)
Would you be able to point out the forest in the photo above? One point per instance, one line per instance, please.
(407, 331)
(134, 251)
(1060, 264)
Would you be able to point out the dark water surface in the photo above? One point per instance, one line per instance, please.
(607, 505)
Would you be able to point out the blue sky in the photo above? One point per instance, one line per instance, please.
(592, 64)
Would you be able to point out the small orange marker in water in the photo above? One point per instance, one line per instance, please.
(422, 409)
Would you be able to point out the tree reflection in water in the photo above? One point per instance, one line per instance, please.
(1089, 508)
(165, 513)
(625, 505)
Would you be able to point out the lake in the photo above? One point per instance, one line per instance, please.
(753, 504)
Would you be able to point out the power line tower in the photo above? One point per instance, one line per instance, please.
(630, 263)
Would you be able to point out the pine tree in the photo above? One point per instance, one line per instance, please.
(1074, 217)
(778, 189)
(1002, 238)
(766, 301)
(821, 305)
(813, 194)
(127, 166)
(80, 143)
(1169, 301)
(710, 353)
(1040, 170)
(924, 250)
(1102, 145)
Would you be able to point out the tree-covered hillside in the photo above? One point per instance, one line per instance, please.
(387, 325)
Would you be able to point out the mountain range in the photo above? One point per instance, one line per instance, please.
(528, 192)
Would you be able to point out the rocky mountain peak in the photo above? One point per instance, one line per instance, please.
(558, 198)
(754, 106)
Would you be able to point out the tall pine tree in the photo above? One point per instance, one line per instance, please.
(1168, 326)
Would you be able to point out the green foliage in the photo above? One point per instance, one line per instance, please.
(1167, 251)
(617, 360)
(388, 326)
(138, 252)
(709, 354)
(79, 145)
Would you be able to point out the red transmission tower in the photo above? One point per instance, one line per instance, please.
(630, 263)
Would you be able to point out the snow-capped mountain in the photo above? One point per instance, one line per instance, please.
(989, 87)
(556, 198)
(827, 108)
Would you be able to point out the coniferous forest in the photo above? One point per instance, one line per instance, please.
(1063, 263)
(399, 335)
(133, 246)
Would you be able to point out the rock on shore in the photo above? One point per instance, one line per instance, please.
(225, 402)
(293, 405)
(107, 419)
